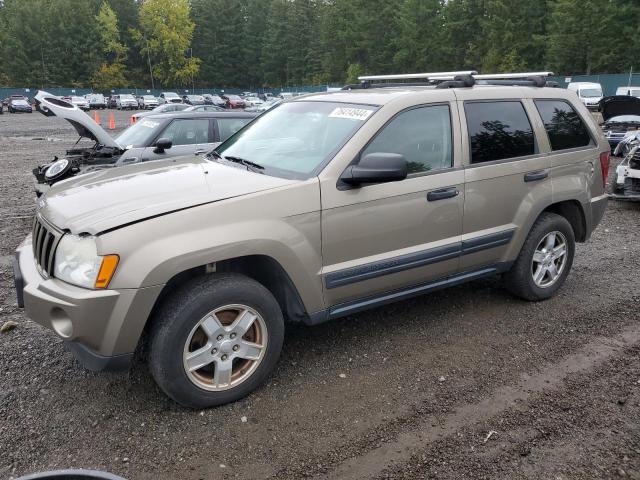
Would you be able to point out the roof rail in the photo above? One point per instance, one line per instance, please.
(417, 76)
(459, 79)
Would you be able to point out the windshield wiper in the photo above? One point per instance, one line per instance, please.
(242, 161)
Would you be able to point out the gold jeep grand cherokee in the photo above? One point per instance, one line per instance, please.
(322, 207)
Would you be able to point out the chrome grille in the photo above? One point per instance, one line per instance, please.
(45, 240)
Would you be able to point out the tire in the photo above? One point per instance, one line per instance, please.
(175, 335)
(520, 280)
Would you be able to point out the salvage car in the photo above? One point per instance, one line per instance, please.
(627, 182)
(80, 102)
(621, 115)
(18, 104)
(153, 138)
(320, 208)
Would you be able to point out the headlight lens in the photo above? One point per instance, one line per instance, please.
(77, 262)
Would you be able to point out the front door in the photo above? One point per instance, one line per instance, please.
(188, 136)
(382, 237)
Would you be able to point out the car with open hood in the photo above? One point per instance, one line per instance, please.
(153, 138)
(620, 115)
(320, 208)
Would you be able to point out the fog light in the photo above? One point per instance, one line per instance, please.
(61, 323)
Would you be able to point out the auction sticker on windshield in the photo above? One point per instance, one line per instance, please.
(351, 113)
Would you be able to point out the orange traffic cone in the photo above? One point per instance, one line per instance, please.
(96, 117)
(112, 122)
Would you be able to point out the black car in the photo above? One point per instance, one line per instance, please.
(621, 115)
(193, 99)
(19, 104)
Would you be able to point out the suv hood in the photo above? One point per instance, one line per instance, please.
(95, 202)
(619, 105)
(52, 106)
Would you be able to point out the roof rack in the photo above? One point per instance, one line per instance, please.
(458, 79)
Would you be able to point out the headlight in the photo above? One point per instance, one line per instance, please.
(77, 262)
(57, 169)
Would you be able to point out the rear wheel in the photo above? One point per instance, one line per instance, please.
(545, 259)
(215, 340)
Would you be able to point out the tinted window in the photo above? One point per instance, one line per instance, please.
(229, 126)
(187, 132)
(564, 126)
(498, 130)
(422, 135)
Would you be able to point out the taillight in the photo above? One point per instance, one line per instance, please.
(605, 157)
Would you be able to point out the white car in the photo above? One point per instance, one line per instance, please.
(253, 101)
(589, 93)
(126, 101)
(80, 102)
(169, 97)
(147, 102)
(630, 91)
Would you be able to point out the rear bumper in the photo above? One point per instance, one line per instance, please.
(100, 327)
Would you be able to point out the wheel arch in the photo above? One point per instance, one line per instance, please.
(573, 212)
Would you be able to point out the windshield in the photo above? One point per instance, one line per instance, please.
(635, 93)
(590, 92)
(148, 97)
(294, 139)
(233, 97)
(126, 97)
(138, 134)
(20, 102)
(170, 95)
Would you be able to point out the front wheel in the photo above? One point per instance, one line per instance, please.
(545, 259)
(215, 340)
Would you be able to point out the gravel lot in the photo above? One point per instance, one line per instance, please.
(464, 383)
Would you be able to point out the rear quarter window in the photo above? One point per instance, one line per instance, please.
(498, 130)
(564, 126)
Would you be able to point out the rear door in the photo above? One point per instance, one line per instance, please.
(188, 136)
(225, 127)
(506, 179)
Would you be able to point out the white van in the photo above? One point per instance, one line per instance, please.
(589, 93)
(631, 91)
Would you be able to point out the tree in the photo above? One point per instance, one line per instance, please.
(111, 72)
(165, 34)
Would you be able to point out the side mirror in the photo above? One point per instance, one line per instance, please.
(162, 144)
(376, 168)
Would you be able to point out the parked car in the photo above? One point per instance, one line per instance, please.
(126, 101)
(233, 101)
(210, 99)
(315, 210)
(589, 93)
(80, 102)
(269, 104)
(253, 101)
(626, 185)
(204, 108)
(165, 108)
(147, 102)
(631, 91)
(193, 99)
(152, 138)
(169, 97)
(621, 115)
(18, 104)
(112, 101)
(96, 101)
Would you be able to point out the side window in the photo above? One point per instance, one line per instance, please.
(187, 132)
(563, 125)
(422, 135)
(229, 126)
(498, 130)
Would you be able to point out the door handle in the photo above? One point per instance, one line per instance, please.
(199, 152)
(535, 176)
(443, 193)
